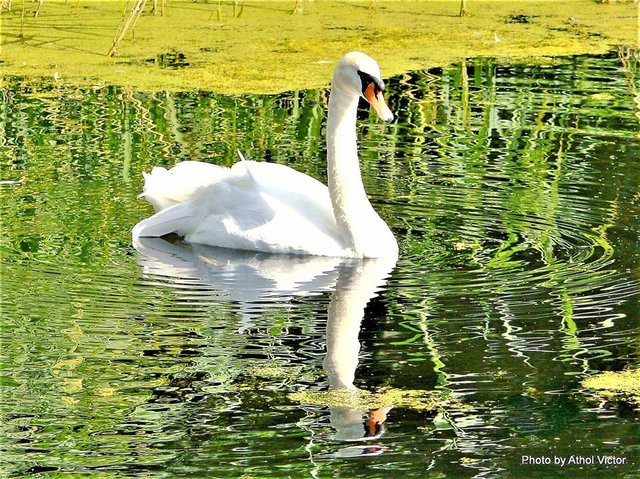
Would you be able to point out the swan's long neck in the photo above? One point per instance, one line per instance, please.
(354, 214)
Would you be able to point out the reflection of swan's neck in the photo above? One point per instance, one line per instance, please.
(354, 215)
(357, 283)
(346, 311)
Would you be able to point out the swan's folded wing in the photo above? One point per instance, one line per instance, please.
(256, 206)
(175, 219)
(308, 196)
(219, 214)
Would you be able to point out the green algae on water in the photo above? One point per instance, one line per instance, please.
(419, 400)
(267, 49)
(620, 386)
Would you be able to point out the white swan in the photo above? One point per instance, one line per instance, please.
(272, 208)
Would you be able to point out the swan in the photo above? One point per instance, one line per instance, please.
(272, 208)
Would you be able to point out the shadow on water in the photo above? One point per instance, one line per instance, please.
(512, 189)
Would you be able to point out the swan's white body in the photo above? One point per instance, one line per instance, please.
(273, 208)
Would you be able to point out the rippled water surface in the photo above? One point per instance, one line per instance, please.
(513, 191)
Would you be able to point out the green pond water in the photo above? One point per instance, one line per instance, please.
(513, 191)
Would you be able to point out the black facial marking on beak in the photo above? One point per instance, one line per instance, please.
(367, 80)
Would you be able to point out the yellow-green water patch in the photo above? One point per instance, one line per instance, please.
(621, 386)
(420, 400)
(264, 48)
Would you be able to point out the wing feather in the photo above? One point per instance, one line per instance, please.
(253, 205)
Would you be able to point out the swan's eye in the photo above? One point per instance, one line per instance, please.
(367, 80)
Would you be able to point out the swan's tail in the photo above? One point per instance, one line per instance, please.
(165, 188)
(174, 195)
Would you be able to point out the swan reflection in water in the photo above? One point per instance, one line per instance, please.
(260, 280)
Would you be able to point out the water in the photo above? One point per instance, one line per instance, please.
(513, 191)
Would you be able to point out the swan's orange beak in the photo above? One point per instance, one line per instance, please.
(374, 96)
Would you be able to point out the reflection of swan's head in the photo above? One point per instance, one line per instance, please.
(358, 74)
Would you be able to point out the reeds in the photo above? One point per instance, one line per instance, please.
(37, 12)
(129, 24)
(21, 35)
(154, 10)
(463, 8)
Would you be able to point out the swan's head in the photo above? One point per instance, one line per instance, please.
(359, 74)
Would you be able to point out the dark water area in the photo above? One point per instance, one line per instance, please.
(513, 191)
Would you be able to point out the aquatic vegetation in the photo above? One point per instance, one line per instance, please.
(617, 386)
(231, 53)
(419, 400)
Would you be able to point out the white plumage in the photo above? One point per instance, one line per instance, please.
(273, 208)
(251, 206)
